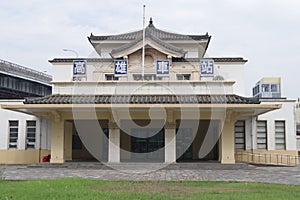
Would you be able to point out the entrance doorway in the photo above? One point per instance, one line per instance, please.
(190, 137)
(147, 147)
(90, 140)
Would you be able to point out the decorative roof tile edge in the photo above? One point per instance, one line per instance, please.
(219, 60)
(151, 37)
(142, 99)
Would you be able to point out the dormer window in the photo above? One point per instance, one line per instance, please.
(147, 77)
(111, 77)
(182, 77)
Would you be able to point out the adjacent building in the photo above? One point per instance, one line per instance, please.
(298, 124)
(22, 135)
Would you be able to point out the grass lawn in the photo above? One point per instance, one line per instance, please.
(95, 189)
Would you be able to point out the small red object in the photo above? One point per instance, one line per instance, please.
(46, 158)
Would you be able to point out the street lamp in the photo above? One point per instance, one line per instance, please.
(71, 51)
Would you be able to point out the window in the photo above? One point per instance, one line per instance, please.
(31, 134)
(298, 129)
(255, 90)
(13, 134)
(137, 77)
(147, 77)
(274, 88)
(183, 77)
(261, 131)
(111, 77)
(265, 87)
(280, 135)
(239, 133)
(218, 78)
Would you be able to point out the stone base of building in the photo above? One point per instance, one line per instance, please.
(16, 156)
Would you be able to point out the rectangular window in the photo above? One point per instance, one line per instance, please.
(31, 134)
(13, 134)
(261, 131)
(111, 77)
(181, 77)
(265, 87)
(147, 77)
(239, 133)
(280, 135)
(274, 88)
(298, 129)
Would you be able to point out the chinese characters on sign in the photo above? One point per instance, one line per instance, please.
(206, 67)
(79, 67)
(120, 67)
(162, 67)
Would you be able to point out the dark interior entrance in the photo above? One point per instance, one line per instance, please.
(190, 136)
(148, 147)
(81, 145)
(142, 143)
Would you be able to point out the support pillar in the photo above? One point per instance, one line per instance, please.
(170, 143)
(114, 143)
(68, 140)
(57, 140)
(227, 141)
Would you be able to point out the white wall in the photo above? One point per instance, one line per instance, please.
(42, 128)
(65, 72)
(287, 114)
(145, 87)
(234, 72)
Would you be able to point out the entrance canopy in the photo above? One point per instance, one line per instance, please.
(238, 104)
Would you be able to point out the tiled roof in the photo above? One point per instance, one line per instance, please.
(220, 59)
(62, 60)
(153, 38)
(142, 99)
(236, 59)
(150, 29)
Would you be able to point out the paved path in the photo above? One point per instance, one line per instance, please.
(134, 171)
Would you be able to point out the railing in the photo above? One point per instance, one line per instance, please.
(267, 159)
(24, 71)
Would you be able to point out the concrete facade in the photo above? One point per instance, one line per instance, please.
(212, 130)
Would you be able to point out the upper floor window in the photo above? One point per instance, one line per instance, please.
(183, 77)
(298, 129)
(111, 77)
(147, 77)
(255, 90)
(265, 87)
(274, 88)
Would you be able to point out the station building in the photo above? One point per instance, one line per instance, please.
(179, 106)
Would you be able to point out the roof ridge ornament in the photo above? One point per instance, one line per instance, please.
(151, 22)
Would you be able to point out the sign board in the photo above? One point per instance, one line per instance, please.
(162, 67)
(121, 67)
(207, 67)
(79, 68)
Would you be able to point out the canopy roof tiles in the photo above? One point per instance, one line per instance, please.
(142, 99)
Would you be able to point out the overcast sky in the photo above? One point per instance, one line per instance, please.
(265, 32)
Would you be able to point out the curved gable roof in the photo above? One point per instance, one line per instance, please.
(150, 40)
(150, 29)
